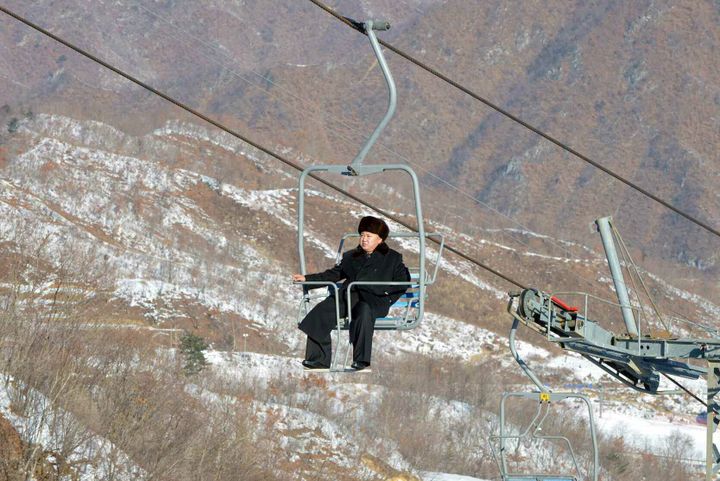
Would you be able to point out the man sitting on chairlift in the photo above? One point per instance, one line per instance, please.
(371, 260)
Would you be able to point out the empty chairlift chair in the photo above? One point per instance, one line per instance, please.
(533, 432)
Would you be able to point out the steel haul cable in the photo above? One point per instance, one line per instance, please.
(336, 121)
(237, 135)
(356, 26)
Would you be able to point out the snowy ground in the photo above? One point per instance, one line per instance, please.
(427, 476)
(642, 428)
(651, 434)
(42, 424)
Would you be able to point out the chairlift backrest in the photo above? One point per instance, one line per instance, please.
(405, 313)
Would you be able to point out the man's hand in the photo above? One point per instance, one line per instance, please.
(298, 278)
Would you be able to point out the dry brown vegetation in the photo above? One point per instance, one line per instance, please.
(82, 380)
(67, 349)
(64, 366)
(589, 74)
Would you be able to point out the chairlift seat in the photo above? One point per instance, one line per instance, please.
(408, 302)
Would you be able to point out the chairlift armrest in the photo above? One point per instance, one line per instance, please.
(377, 283)
(320, 284)
(386, 283)
(316, 283)
(383, 283)
(306, 285)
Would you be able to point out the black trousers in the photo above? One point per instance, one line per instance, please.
(321, 320)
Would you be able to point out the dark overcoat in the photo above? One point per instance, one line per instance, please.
(384, 264)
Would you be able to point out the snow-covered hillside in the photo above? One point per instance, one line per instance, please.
(183, 248)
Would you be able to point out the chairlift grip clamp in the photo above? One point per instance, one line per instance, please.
(380, 25)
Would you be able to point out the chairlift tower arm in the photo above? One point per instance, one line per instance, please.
(634, 358)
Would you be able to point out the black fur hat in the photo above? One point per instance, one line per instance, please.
(374, 225)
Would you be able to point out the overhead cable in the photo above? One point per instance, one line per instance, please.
(358, 26)
(265, 150)
(183, 32)
(687, 391)
(245, 139)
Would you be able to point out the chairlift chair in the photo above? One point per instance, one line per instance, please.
(544, 398)
(413, 301)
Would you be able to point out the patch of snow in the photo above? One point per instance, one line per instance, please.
(251, 368)
(430, 476)
(222, 140)
(712, 309)
(581, 369)
(440, 336)
(147, 293)
(651, 434)
(276, 203)
(43, 424)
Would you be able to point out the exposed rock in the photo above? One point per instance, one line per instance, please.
(11, 452)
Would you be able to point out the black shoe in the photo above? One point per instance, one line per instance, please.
(359, 366)
(314, 365)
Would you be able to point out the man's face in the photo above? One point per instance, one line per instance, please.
(369, 241)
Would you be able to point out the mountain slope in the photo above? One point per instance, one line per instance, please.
(173, 249)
